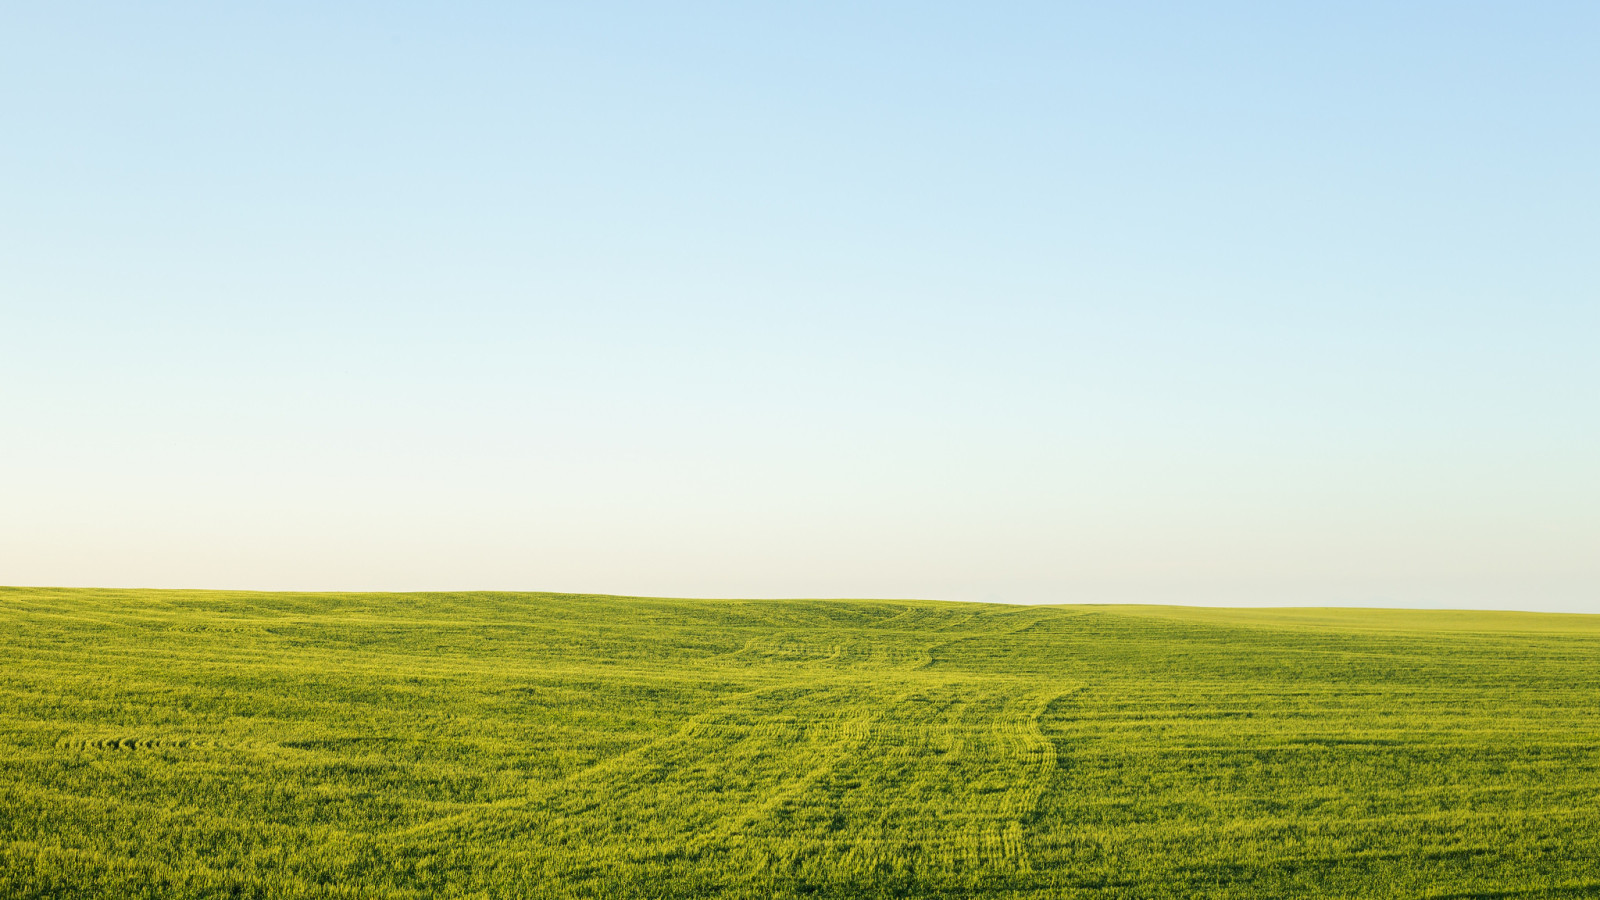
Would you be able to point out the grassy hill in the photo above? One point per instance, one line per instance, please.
(212, 744)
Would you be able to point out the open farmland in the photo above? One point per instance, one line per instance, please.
(210, 744)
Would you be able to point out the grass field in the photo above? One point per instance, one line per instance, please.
(199, 744)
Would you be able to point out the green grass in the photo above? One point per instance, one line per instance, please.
(208, 744)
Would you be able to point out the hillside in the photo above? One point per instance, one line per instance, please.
(204, 744)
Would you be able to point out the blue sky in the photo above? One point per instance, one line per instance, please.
(1247, 304)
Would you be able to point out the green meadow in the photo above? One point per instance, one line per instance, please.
(274, 745)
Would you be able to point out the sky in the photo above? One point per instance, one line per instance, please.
(1238, 304)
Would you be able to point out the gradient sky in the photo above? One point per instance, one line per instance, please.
(1203, 303)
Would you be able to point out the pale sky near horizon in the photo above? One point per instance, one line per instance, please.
(1242, 304)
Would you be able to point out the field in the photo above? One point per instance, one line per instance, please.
(200, 744)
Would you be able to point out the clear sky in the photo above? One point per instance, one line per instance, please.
(1205, 303)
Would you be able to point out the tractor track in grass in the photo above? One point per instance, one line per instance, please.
(133, 743)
